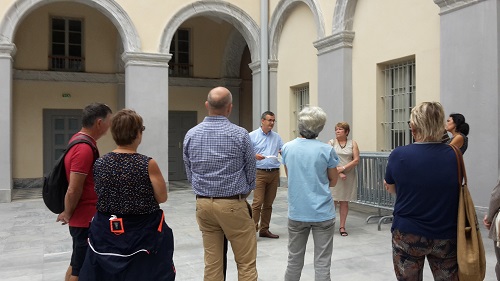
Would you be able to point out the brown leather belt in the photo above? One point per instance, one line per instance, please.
(269, 170)
(238, 197)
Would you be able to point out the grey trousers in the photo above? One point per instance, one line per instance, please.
(298, 233)
(497, 265)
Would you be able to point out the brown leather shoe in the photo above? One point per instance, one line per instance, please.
(268, 234)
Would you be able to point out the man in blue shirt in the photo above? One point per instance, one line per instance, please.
(220, 165)
(266, 144)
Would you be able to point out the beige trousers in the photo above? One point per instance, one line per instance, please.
(229, 217)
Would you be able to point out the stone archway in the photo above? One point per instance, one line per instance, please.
(343, 17)
(281, 13)
(240, 20)
(226, 11)
(8, 27)
(232, 53)
(117, 15)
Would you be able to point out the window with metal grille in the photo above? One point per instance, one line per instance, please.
(66, 45)
(399, 99)
(301, 94)
(180, 64)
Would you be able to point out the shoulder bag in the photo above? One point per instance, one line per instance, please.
(470, 250)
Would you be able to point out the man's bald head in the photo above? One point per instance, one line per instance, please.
(219, 101)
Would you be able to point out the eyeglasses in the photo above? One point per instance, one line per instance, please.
(143, 128)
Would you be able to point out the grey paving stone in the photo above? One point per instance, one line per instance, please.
(34, 247)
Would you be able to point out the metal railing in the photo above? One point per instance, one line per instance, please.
(180, 70)
(371, 190)
(66, 63)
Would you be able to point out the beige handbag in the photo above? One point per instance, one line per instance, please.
(470, 250)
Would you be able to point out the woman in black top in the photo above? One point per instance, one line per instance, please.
(128, 237)
(455, 124)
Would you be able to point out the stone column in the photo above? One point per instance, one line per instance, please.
(7, 52)
(256, 104)
(335, 79)
(146, 91)
(273, 86)
(233, 85)
(469, 51)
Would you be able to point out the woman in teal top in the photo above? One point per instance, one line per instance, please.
(311, 169)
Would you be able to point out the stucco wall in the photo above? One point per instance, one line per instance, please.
(100, 38)
(385, 30)
(297, 65)
(30, 99)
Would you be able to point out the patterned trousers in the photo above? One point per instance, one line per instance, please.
(409, 252)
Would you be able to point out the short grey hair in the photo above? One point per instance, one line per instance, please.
(311, 122)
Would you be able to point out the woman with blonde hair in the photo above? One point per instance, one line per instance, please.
(424, 177)
(347, 187)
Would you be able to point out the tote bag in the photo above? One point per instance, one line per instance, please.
(470, 250)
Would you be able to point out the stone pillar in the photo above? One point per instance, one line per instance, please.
(335, 79)
(146, 91)
(7, 52)
(233, 85)
(273, 86)
(469, 51)
(255, 67)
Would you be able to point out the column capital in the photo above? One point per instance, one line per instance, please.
(146, 59)
(338, 40)
(448, 6)
(7, 50)
(273, 65)
(255, 67)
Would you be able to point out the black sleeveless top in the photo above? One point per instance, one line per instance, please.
(465, 145)
(122, 184)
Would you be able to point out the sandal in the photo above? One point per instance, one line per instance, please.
(343, 233)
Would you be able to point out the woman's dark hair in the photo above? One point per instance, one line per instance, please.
(460, 125)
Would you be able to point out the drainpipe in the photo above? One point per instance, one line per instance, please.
(264, 56)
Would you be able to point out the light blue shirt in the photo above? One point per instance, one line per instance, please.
(268, 145)
(309, 197)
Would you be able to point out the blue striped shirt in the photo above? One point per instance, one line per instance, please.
(219, 158)
(267, 145)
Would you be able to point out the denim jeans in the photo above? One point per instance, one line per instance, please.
(323, 247)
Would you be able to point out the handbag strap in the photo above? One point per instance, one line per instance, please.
(462, 175)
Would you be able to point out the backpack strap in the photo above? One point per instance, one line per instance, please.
(84, 139)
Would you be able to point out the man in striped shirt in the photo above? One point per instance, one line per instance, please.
(220, 165)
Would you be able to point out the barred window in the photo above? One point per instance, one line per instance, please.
(180, 48)
(301, 94)
(399, 99)
(66, 45)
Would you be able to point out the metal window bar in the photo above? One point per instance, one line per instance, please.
(302, 100)
(399, 99)
(371, 190)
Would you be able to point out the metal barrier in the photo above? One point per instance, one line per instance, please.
(371, 190)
